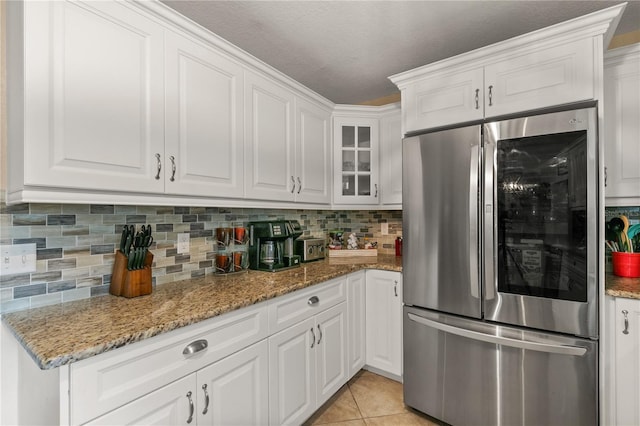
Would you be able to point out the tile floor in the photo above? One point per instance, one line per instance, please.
(368, 399)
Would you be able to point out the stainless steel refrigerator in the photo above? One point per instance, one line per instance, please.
(500, 271)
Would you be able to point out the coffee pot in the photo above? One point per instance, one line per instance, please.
(271, 245)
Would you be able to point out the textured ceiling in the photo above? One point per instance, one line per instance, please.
(345, 50)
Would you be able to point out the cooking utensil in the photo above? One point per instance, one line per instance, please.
(625, 234)
(617, 226)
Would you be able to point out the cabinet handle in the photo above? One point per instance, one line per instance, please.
(194, 347)
(313, 338)
(299, 184)
(605, 176)
(293, 188)
(320, 332)
(395, 287)
(313, 300)
(173, 168)
(477, 98)
(490, 95)
(375, 185)
(206, 399)
(626, 321)
(159, 166)
(191, 407)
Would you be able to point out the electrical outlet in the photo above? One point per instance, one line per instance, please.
(18, 259)
(384, 228)
(183, 243)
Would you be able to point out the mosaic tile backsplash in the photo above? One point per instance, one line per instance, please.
(76, 244)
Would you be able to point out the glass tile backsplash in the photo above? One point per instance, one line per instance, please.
(76, 244)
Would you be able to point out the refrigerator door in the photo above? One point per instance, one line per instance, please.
(541, 221)
(440, 220)
(466, 372)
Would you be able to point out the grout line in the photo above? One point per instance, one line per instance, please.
(355, 401)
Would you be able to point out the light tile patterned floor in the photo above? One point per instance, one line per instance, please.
(371, 400)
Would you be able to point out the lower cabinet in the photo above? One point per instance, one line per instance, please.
(356, 291)
(384, 321)
(308, 364)
(623, 378)
(233, 391)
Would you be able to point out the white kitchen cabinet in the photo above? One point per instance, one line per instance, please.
(622, 126)
(391, 156)
(355, 160)
(204, 140)
(235, 390)
(356, 336)
(279, 166)
(546, 68)
(85, 95)
(623, 382)
(308, 352)
(173, 404)
(384, 321)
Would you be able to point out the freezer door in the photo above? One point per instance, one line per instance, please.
(467, 372)
(440, 221)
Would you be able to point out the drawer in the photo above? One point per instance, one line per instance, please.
(110, 380)
(288, 310)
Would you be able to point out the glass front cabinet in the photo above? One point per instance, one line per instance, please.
(356, 161)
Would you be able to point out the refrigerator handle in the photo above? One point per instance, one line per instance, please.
(473, 221)
(498, 340)
(490, 258)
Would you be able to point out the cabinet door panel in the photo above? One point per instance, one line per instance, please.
(166, 406)
(269, 150)
(292, 364)
(391, 158)
(312, 152)
(331, 347)
(357, 325)
(627, 374)
(94, 111)
(622, 127)
(445, 99)
(237, 387)
(539, 79)
(204, 120)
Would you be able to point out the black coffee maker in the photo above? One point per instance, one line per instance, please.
(271, 245)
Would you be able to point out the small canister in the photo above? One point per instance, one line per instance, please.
(399, 246)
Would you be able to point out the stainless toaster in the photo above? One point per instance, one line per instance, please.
(309, 248)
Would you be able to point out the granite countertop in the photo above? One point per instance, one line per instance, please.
(60, 334)
(622, 287)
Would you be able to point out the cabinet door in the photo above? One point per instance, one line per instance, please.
(173, 404)
(235, 391)
(391, 158)
(94, 106)
(356, 322)
(292, 374)
(627, 362)
(331, 346)
(539, 79)
(355, 161)
(269, 172)
(622, 126)
(204, 131)
(312, 161)
(454, 97)
(384, 321)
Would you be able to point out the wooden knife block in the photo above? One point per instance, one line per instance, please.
(128, 283)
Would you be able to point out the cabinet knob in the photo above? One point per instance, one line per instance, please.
(313, 300)
(159, 166)
(196, 346)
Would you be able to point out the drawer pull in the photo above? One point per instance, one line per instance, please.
(194, 347)
(206, 399)
(313, 300)
(191, 407)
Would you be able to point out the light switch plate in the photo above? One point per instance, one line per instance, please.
(183, 243)
(384, 228)
(17, 259)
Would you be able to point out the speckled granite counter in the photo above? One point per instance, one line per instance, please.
(60, 334)
(622, 287)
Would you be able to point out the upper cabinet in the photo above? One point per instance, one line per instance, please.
(554, 66)
(622, 126)
(85, 97)
(391, 156)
